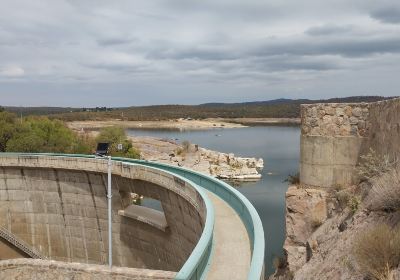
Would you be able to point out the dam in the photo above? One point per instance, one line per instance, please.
(53, 221)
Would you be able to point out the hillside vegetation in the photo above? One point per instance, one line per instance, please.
(280, 108)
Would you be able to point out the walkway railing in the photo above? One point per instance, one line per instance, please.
(236, 200)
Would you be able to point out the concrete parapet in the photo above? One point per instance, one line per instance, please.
(328, 160)
(27, 269)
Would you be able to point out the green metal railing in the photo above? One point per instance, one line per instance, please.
(237, 201)
(195, 267)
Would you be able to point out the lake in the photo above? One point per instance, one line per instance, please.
(279, 146)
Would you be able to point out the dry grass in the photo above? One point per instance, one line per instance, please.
(373, 164)
(316, 221)
(343, 197)
(385, 192)
(377, 251)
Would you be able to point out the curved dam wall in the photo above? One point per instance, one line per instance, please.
(333, 136)
(58, 206)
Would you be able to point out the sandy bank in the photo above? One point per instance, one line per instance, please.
(264, 121)
(184, 124)
(180, 124)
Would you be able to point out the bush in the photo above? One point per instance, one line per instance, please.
(185, 145)
(293, 179)
(44, 135)
(343, 198)
(372, 165)
(377, 251)
(116, 135)
(7, 128)
(354, 203)
(385, 192)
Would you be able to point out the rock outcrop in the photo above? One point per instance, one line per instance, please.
(213, 163)
(321, 233)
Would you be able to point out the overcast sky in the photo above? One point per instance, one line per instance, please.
(122, 53)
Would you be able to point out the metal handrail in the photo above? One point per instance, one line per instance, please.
(20, 244)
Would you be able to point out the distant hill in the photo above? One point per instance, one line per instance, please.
(277, 108)
(25, 111)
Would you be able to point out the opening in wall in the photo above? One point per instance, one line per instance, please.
(146, 210)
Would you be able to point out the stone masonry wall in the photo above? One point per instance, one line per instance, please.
(33, 269)
(62, 211)
(384, 136)
(335, 119)
(333, 136)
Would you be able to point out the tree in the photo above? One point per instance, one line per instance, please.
(115, 135)
(43, 135)
(7, 128)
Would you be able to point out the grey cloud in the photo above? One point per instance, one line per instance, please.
(347, 47)
(387, 14)
(114, 41)
(174, 50)
(325, 30)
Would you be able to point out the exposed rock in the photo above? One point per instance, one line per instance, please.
(324, 250)
(221, 165)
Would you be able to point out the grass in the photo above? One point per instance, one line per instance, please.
(377, 251)
(372, 165)
(385, 192)
(184, 149)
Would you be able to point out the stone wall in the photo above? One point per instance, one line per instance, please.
(59, 207)
(335, 119)
(384, 135)
(31, 269)
(333, 136)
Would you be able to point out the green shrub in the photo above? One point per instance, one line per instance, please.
(38, 134)
(354, 203)
(8, 126)
(293, 179)
(372, 165)
(377, 251)
(116, 135)
(385, 192)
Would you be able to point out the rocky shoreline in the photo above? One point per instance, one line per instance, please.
(212, 163)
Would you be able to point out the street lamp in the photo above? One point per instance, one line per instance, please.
(102, 151)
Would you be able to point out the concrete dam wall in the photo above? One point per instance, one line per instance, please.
(333, 136)
(58, 206)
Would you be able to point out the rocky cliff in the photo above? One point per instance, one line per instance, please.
(323, 228)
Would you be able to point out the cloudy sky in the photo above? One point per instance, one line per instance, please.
(122, 53)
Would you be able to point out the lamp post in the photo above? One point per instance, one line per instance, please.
(109, 197)
(102, 151)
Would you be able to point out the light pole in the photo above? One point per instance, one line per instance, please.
(109, 197)
(102, 151)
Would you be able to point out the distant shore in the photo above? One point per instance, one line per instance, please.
(264, 121)
(183, 124)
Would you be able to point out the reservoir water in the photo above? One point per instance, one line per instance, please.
(279, 146)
